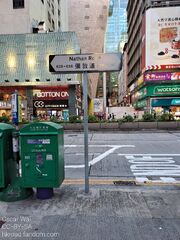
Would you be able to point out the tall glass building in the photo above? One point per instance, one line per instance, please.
(116, 37)
(116, 33)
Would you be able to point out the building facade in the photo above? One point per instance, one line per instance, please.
(116, 37)
(25, 68)
(124, 94)
(28, 16)
(116, 33)
(88, 19)
(153, 55)
(26, 42)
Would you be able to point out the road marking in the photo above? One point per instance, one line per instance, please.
(142, 179)
(111, 181)
(100, 157)
(148, 165)
(99, 146)
(167, 179)
(149, 154)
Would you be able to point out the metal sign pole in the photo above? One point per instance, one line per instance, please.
(85, 89)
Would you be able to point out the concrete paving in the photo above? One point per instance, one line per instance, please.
(108, 212)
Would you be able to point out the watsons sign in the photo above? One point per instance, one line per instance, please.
(164, 90)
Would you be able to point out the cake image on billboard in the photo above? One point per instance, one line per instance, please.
(163, 38)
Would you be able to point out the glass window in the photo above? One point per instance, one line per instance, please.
(53, 25)
(18, 4)
(59, 24)
(52, 6)
(49, 17)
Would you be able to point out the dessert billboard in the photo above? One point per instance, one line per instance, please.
(163, 38)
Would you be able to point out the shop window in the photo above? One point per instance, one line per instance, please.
(18, 4)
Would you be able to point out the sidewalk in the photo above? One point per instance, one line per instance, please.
(108, 212)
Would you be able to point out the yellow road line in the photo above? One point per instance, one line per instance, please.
(124, 181)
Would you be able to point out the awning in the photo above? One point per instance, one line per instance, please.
(165, 102)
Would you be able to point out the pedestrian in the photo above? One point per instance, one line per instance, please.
(154, 115)
(109, 117)
(125, 114)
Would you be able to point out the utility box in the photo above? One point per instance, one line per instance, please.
(7, 163)
(42, 155)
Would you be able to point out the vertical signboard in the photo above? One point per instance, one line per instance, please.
(16, 109)
(162, 38)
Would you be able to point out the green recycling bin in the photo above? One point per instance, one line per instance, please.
(42, 155)
(7, 163)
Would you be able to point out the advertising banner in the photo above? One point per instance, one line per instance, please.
(161, 76)
(163, 38)
(142, 93)
(98, 105)
(140, 104)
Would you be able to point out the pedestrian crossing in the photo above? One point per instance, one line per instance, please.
(154, 168)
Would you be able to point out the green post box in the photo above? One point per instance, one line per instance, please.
(7, 163)
(42, 155)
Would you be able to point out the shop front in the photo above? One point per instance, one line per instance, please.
(159, 98)
(5, 101)
(51, 102)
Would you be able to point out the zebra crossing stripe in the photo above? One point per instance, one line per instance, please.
(168, 179)
(160, 166)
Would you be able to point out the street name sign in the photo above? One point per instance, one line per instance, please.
(79, 63)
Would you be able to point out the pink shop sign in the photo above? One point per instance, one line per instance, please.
(162, 76)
